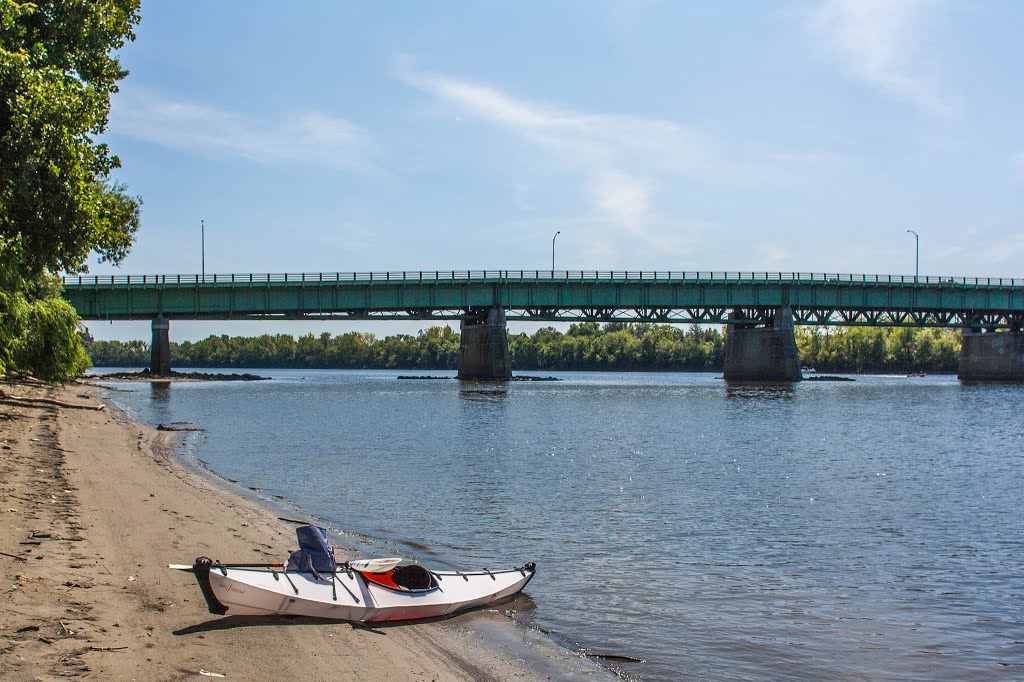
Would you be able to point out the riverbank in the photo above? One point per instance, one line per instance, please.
(95, 506)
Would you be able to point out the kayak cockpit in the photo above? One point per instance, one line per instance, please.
(409, 578)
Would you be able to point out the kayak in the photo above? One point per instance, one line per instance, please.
(313, 584)
(349, 594)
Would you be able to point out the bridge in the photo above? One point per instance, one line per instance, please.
(760, 308)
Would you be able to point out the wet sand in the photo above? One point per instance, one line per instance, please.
(94, 506)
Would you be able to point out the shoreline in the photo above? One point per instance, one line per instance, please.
(85, 551)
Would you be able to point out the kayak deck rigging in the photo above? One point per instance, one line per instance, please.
(312, 584)
(349, 595)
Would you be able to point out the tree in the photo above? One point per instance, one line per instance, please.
(47, 346)
(57, 72)
(58, 202)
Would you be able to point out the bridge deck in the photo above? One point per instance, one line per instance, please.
(703, 297)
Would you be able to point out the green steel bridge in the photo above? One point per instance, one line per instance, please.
(544, 295)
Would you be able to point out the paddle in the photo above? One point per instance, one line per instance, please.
(188, 567)
(374, 565)
(364, 565)
(334, 576)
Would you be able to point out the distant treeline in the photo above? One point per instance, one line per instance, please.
(878, 350)
(614, 346)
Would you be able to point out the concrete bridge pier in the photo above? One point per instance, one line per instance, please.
(755, 353)
(160, 350)
(991, 356)
(483, 348)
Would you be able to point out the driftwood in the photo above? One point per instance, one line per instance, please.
(16, 377)
(168, 427)
(25, 401)
(616, 658)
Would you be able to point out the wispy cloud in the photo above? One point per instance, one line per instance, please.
(1005, 249)
(609, 139)
(875, 41)
(775, 256)
(308, 137)
(622, 161)
(623, 198)
(973, 251)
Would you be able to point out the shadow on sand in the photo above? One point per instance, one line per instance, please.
(523, 603)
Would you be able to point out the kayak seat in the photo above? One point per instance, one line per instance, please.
(315, 552)
(405, 578)
(413, 577)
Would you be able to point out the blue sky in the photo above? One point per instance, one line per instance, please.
(330, 136)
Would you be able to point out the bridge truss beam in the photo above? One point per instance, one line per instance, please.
(713, 315)
(702, 298)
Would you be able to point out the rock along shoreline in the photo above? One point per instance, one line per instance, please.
(146, 375)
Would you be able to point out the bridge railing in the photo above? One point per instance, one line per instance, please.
(554, 276)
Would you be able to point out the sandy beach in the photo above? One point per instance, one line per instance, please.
(94, 507)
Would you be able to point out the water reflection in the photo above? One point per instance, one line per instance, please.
(160, 391)
(483, 391)
(762, 390)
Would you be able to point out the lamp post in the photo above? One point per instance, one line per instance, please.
(202, 236)
(917, 252)
(553, 252)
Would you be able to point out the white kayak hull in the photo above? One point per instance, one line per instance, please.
(348, 595)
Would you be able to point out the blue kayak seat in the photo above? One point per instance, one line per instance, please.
(315, 554)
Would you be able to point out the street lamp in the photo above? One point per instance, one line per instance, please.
(917, 252)
(553, 252)
(202, 237)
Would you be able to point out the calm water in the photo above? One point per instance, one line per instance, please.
(872, 529)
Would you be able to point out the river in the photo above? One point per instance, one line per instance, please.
(848, 530)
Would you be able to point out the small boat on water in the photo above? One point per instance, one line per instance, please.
(312, 584)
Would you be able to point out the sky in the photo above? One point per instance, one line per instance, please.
(652, 135)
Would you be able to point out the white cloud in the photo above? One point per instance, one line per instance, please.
(625, 199)
(582, 138)
(622, 161)
(775, 256)
(875, 40)
(308, 137)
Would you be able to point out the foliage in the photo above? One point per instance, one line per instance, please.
(58, 201)
(57, 72)
(38, 328)
(878, 349)
(618, 346)
(51, 346)
(435, 348)
(585, 346)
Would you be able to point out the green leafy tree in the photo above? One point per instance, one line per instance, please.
(58, 201)
(878, 349)
(48, 346)
(57, 72)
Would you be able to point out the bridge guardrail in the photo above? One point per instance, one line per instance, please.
(554, 276)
